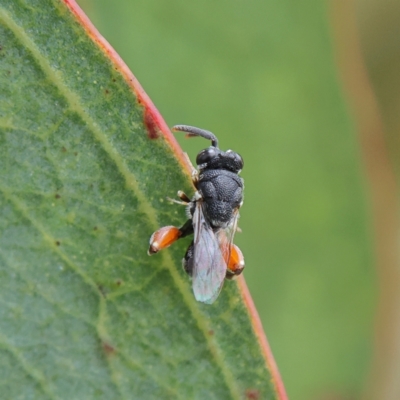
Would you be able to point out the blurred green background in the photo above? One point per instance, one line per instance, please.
(262, 75)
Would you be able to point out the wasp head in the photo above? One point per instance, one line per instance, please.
(213, 157)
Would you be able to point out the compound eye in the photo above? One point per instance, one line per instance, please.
(206, 156)
(239, 161)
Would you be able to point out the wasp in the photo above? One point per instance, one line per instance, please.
(213, 214)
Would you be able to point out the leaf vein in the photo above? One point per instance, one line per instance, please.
(32, 371)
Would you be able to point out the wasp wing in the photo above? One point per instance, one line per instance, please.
(225, 237)
(209, 266)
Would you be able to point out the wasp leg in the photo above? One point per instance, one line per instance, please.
(195, 173)
(185, 200)
(163, 238)
(235, 263)
(195, 178)
(186, 229)
(193, 169)
(182, 203)
(183, 196)
(187, 261)
(167, 235)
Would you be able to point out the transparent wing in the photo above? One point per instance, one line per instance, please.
(225, 237)
(209, 266)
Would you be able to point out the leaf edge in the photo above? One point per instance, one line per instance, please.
(156, 125)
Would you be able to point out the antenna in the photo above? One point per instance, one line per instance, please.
(193, 131)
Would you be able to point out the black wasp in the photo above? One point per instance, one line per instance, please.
(213, 214)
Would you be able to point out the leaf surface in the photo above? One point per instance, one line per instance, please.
(86, 164)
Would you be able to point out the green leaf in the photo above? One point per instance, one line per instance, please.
(86, 164)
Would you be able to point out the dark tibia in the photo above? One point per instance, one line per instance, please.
(183, 196)
(186, 229)
(232, 275)
(187, 261)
